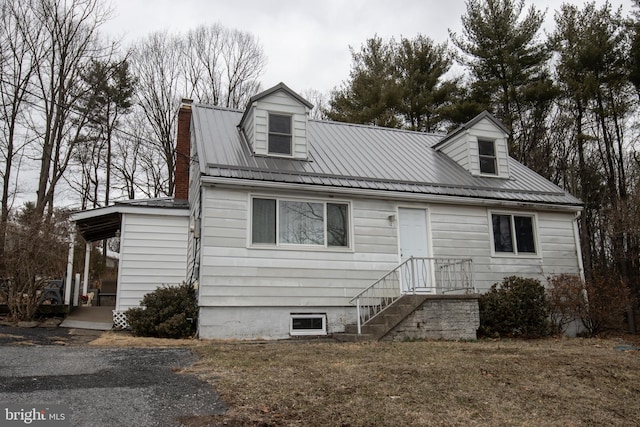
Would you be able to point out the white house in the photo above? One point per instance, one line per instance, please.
(290, 218)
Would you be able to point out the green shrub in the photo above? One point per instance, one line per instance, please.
(514, 308)
(168, 312)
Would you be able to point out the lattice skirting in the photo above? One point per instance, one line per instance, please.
(120, 319)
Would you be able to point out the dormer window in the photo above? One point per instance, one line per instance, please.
(275, 124)
(487, 155)
(280, 136)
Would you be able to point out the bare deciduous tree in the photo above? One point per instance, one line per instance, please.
(244, 65)
(17, 67)
(157, 62)
(210, 64)
(320, 103)
(203, 63)
(127, 153)
(69, 38)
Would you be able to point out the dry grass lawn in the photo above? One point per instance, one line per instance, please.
(568, 382)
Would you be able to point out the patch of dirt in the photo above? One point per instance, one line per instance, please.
(126, 339)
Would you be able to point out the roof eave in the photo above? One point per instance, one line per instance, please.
(390, 195)
(468, 125)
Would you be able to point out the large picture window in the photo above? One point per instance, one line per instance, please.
(297, 222)
(513, 234)
(280, 135)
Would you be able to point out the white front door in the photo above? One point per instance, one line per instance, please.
(413, 243)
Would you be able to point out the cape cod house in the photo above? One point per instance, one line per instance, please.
(296, 226)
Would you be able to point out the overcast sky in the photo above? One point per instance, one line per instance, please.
(306, 42)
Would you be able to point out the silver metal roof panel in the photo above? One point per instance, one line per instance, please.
(361, 157)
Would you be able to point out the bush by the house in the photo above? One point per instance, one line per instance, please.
(607, 301)
(514, 308)
(168, 312)
(565, 300)
(599, 303)
(35, 251)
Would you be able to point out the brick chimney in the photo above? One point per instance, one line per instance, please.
(183, 151)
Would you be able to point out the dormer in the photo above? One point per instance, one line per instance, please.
(275, 123)
(480, 146)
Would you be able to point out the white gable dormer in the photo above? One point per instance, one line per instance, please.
(480, 146)
(275, 123)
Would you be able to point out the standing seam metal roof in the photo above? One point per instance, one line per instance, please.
(361, 157)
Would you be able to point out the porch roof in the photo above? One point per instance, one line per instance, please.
(104, 223)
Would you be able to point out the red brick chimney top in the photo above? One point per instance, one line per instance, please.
(183, 151)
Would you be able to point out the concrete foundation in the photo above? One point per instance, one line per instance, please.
(265, 323)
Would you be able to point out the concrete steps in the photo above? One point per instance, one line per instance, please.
(380, 325)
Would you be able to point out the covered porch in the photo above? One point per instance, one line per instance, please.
(152, 239)
(91, 299)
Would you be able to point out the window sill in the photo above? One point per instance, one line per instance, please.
(515, 256)
(490, 175)
(306, 248)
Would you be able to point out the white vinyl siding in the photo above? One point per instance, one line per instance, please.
(257, 123)
(464, 232)
(153, 253)
(249, 129)
(458, 150)
(463, 148)
(235, 274)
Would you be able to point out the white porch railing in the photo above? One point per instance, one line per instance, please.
(415, 275)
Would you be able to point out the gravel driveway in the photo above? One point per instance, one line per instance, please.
(107, 386)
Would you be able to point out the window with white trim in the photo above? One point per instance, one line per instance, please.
(308, 324)
(487, 157)
(280, 136)
(299, 222)
(513, 234)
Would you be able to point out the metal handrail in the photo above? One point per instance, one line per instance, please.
(435, 275)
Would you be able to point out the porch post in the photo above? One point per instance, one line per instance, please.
(76, 290)
(67, 285)
(87, 258)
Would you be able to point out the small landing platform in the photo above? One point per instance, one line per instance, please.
(95, 318)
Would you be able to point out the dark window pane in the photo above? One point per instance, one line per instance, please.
(487, 155)
(263, 229)
(488, 165)
(337, 225)
(307, 323)
(279, 124)
(524, 234)
(486, 148)
(280, 144)
(502, 240)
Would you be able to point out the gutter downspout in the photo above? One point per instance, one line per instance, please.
(576, 236)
